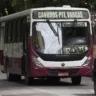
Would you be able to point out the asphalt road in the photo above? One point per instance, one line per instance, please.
(44, 88)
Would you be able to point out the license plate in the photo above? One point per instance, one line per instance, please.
(63, 74)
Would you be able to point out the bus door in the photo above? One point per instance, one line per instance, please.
(26, 55)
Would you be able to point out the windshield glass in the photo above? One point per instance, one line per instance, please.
(72, 37)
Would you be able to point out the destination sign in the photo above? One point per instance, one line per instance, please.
(60, 14)
(76, 24)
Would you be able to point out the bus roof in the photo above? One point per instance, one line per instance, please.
(15, 15)
(27, 12)
(61, 8)
(64, 7)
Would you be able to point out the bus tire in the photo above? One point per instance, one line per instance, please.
(76, 80)
(95, 88)
(28, 80)
(12, 77)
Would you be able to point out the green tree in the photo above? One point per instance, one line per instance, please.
(12, 6)
(6, 7)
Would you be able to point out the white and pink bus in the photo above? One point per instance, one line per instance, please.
(50, 42)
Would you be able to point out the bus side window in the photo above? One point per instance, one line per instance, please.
(27, 33)
(35, 39)
(24, 33)
(28, 26)
(19, 30)
(94, 32)
(94, 35)
(6, 33)
(14, 31)
(95, 29)
(9, 31)
(28, 29)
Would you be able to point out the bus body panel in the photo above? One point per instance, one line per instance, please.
(14, 52)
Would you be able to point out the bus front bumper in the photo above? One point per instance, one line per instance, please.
(61, 72)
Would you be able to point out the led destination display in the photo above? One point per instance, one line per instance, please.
(63, 14)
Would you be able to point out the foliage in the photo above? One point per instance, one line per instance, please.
(19, 5)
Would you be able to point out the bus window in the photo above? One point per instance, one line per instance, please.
(14, 31)
(35, 39)
(6, 33)
(94, 32)
(28, 27)
(2, 30)
(19, 27)
(23, 28)
(9, 31)
(24, 32)
(16, 39)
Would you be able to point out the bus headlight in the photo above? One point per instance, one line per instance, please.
(37, 63)
(87, 61)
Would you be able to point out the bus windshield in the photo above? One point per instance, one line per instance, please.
(70, 39)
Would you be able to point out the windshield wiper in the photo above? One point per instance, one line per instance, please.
(52, 28)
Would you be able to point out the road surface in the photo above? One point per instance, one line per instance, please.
(44, 88)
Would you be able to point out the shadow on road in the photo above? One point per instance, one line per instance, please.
(41, 82)
(4, 84)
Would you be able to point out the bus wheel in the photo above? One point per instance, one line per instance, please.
(76, 80)
(28, 80)
(95, 88)
(12, 77)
